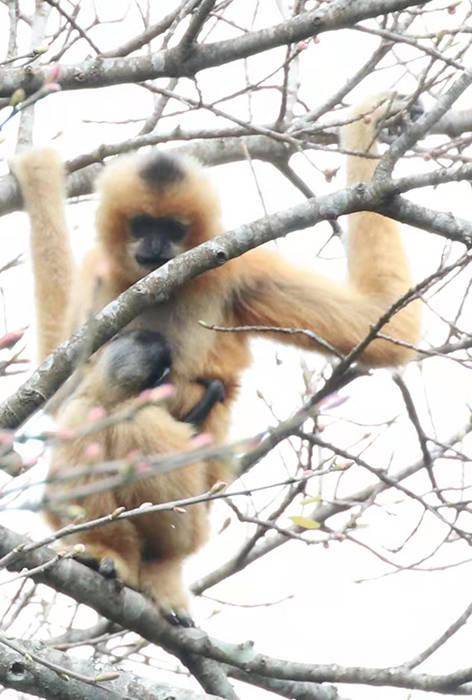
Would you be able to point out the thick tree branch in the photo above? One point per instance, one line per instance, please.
(100, 72)
(48, 673)
(213, 147)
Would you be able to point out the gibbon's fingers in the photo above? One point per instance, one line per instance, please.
(214, 393)
(111, 564)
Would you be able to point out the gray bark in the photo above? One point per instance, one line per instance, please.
(28, 675)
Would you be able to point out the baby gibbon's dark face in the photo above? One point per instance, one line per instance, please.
(155, 241)
(137, 360)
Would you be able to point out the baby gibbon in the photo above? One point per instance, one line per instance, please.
(147, 551)
(154, 206)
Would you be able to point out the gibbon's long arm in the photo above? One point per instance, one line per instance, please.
(41, 177)
(277, 294)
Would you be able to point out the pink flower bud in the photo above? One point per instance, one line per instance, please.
(93, 451)
(201, 440)
(53, 73)
(159, 393)
(11, 338)
(96, 413)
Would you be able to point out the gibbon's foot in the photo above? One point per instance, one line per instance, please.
(108, 567)
(178, 618)
(215, 393)
(105, 567)
(88, 560)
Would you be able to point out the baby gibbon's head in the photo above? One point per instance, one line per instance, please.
(153, 207)
(133, 361)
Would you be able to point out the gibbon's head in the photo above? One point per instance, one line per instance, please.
(133, 361)
(152, 208)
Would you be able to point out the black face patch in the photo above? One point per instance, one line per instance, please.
(161, 169)
(143, 225)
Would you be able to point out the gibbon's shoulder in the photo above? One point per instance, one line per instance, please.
(160, 184)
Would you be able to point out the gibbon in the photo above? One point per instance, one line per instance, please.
(155, 206)
(146, 552)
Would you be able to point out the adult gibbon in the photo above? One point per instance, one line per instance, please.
(155, 206)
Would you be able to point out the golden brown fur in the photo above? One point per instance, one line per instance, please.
(259, 288)
(147, 552)
(41, 174)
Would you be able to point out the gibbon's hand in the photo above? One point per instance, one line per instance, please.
(400, 113)
(215, 393)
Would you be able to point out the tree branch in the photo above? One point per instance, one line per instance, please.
(99, 72)
(35, 668)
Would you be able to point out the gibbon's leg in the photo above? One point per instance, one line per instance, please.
(162, 581)
(166, 537)
(40, 174)
(132, 362)
(273, 293)
(116, 547)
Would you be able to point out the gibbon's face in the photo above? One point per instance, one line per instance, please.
(155, 240)
(151, 209)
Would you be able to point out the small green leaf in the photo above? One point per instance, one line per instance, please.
(306, 523)
(311, 499)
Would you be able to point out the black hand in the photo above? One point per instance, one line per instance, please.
(215, 392)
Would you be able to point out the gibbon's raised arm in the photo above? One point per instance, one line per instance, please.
(273, 293)
(277, 294)
(40, 174)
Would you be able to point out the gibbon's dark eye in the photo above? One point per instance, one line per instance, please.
(144, 226)
(172, 228)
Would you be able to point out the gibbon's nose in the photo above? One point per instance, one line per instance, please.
(153, 252)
